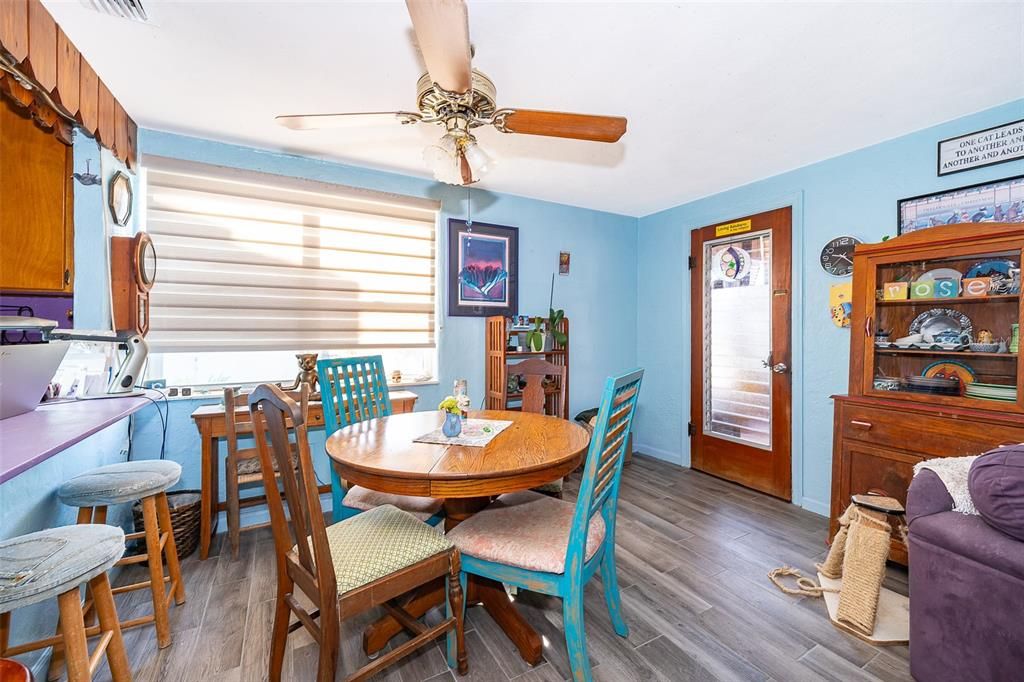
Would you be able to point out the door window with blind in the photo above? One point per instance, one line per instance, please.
(253, 268)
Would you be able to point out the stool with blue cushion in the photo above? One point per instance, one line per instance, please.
(146, 481)
(56, 563)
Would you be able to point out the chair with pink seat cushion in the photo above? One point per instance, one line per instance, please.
(554, 547)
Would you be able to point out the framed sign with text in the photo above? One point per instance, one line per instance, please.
(983, 148)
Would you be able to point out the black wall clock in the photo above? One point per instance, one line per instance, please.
(837, 256)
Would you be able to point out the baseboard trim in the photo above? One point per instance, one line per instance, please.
(658, 453)
(816, 506)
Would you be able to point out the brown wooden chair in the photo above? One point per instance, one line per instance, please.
(535, 399)
(242, 465)
(364, 561)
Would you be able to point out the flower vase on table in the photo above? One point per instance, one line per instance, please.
(452, 426)
(454, 412)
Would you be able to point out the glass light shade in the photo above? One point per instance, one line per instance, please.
(479, 160)
(443, 160)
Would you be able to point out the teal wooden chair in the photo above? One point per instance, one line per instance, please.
(354, 390)
(542, 544)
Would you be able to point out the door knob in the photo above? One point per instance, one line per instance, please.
(780, 368)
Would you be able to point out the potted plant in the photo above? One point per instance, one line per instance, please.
(554, 320)
(535, 337)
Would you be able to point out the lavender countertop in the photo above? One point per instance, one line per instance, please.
(30, 438)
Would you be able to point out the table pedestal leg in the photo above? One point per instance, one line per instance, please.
(508, 618)
(421, 600)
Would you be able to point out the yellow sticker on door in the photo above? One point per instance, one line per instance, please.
(732, 228)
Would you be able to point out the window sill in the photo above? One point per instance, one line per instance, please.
(216, 392)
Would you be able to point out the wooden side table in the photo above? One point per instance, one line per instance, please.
(210, 420)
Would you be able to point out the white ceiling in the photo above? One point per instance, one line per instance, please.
(717, 94)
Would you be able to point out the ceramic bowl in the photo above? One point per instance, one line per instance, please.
(984, 347)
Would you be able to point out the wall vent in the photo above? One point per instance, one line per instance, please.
(125, 9)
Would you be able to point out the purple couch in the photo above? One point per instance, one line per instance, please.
(967, 574)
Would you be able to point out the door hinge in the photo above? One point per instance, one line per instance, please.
(67, 277)
(691, 430)
(691, 262)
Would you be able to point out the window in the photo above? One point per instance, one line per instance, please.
(253, 268)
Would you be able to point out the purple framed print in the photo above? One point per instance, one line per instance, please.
(483, 269)
(998, 201)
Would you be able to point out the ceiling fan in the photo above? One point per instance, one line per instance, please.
(460, 98)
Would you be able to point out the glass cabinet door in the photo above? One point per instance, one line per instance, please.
(946, 330)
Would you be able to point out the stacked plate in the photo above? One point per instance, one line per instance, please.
(991, 392)
(933, 385)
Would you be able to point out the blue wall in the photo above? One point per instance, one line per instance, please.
(601, 288)
(853, 194)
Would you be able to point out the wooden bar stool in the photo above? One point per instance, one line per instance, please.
(147, 480)
(56, 563)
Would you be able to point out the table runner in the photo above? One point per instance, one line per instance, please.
(476, 433)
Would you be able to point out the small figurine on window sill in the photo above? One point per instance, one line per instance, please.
(307, 375)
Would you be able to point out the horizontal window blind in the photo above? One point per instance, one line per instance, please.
(250, 261)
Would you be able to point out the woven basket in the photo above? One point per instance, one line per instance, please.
(185, 506)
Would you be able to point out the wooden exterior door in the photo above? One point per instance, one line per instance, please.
(741, 388)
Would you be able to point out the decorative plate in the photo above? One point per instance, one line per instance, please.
(941, 273)
(999, 270)
(992, 268)
(937, 320)
(951, 369)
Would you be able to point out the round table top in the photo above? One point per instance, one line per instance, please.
(381, 454)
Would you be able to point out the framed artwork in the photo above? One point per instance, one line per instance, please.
(483, 269)
(563, 262)
(987, 147)
(998, 201)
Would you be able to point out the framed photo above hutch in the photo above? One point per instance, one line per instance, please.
(483, 269)
(997, 201)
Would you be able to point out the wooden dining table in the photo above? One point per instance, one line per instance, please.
(382, 454)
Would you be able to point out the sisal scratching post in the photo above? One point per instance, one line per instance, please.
(850, 578)
(832, 567)
(867, 548)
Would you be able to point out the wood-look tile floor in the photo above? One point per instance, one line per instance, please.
(693, 553)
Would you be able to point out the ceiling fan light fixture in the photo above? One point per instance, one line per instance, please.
(453, 154)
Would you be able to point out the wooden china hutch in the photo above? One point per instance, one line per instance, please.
(889, 421)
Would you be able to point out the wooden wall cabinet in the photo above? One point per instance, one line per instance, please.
(879, 435)
(36, 206)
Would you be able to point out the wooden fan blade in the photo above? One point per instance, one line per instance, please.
(561, 124)
(316, 121)
(442, 31)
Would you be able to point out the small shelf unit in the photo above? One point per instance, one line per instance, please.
(500, 358)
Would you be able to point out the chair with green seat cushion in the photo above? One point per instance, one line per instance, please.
(542, 544)
(355, 390)
(359, 563)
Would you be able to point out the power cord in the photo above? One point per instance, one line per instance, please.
(164, 418)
